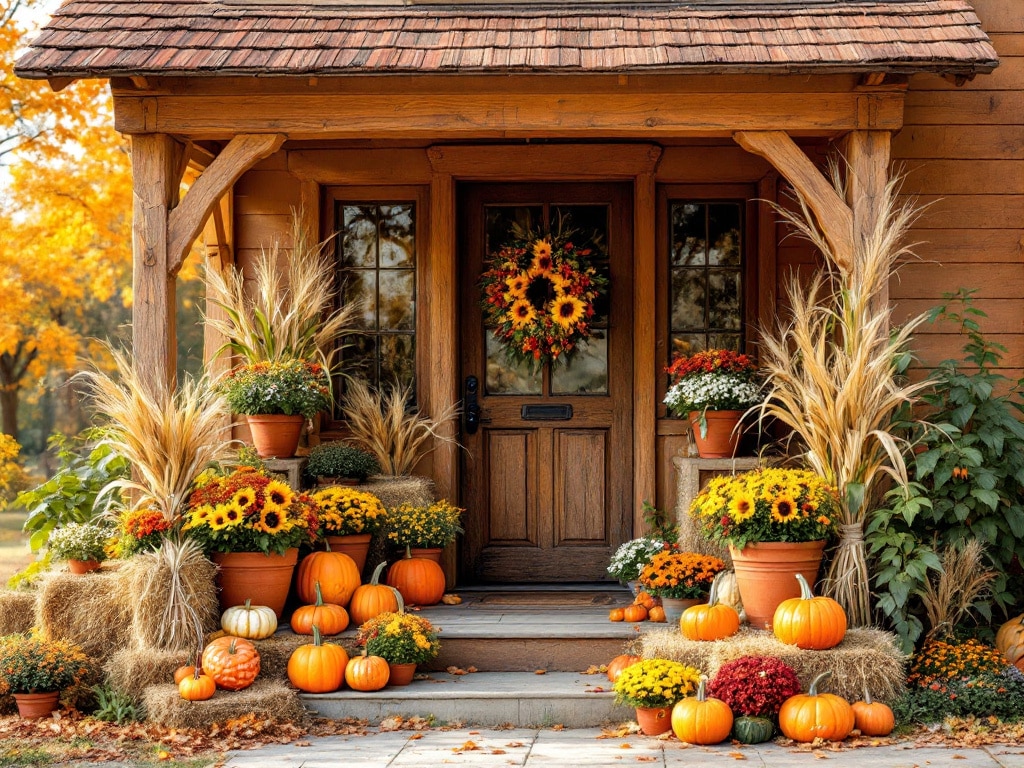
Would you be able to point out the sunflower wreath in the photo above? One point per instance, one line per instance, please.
(538, 296)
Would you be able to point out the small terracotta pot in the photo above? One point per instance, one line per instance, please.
(427, 553)
(401, 674)
(674, 607)
(654, 721)
(35, 705)
(355, 545)
(83, 566)
(722, 436)
(275, 435)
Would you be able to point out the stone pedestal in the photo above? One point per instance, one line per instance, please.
(692, 473)
(290, 468)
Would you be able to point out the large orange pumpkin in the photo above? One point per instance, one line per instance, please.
(372, 599)
(318, 667)
(330, 618)
(809, 622)
(1010, 641)
(367, 673)
(713, 621)
(873, 718)
(232, 662)
(812, 715)
(701, 720)
(619, 663)
(336, 572)
(420, 581)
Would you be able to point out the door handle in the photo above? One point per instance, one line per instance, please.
(471, 406)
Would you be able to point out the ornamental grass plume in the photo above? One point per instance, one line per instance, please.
(833, 377)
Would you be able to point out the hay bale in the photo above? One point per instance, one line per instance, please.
(267, 699)
(17, 611)
(868, 657)
(406, 489)
(278, 648)
(94, 610)
(131, 670)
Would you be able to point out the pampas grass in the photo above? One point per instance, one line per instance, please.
(833, 379)
(381, 423)
(949, 596)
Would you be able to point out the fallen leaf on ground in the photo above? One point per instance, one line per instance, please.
(595, 689)
(451, 599)
(540, 671)
(453, 670)
(625, 745)
(468, 746)
(471, 670)
(737, 756)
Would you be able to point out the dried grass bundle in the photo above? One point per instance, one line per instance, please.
(833, 378)
(381, 423)
(174, 600)
(132, 670)
(949, 596)
(866, 657)
(266, 699)
(93, 611)
(286, 317)
(17, 611)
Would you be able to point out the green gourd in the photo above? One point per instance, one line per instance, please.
(752, 730)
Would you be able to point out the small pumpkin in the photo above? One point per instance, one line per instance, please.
(232, 662)
(873, 718)
(812, 715)
(729, 591)
(657, 613)
(617, 614)
(372, 599)
(182, 672)
(634, 613)
(752, 730)
(619, 663)
(1010, 641)
(420, 581)
(809, 622)
(253, 622)
(367, 673)
(646, 599)
(197, 686)
(713, 621)
(330, 618)
(317, 667)
(335, 571)
(700, 719)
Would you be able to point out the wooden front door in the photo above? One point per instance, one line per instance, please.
(547, 475)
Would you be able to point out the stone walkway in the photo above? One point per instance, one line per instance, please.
(535, 748)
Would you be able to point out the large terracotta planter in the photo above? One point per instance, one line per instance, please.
(275, 436)
(35, 705)
(264, 579)
(722, 436)
(83, 566)
(355, 545)
(401, 674)
(654, 721)
(766, 575)
(675, 606)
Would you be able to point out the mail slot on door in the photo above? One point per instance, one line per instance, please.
(546, 412)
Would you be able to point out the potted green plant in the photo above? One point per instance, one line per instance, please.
(427, 529)
(338, 463)
(652, 687)
(404, 640)
(83, 545)
(35, 670)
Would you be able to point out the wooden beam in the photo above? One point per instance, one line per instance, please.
(219, 237)
(767, 253)
(58, 84)
(833, 216)
(867, 159)
(156, 159)
(473, 115)
(186, 221)
(544, 162)
(645, 365)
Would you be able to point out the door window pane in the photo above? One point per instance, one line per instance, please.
(587, 373)
(507, 378)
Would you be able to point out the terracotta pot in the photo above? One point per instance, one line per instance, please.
(355, 545)
(401, 674)
(275, 435)
(766, 575)
(328, 482)
(427, 553)
(654, 721)
(265, 579)
(83, 566)
(36, 705)
(722, 436)
(674, 608)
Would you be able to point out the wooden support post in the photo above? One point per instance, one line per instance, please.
(867, 159)
(832, 213)
(645, 366)
(220, 255)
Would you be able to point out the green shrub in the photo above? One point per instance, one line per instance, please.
(340, 460)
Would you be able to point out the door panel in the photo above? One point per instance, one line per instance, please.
(547, 497)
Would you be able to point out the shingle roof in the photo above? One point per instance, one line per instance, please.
(194, 38)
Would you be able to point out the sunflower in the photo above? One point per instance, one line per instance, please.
(271, 521)
(561, 284)
(234, 513)
(218, 520)
(567, 311)
(278, 494)
(522, 313)
(542, 248)
(784, 509)
(741, 508)
(244, 498)
(516, 286)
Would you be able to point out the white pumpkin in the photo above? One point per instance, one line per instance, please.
(254, 622)
(728, 590)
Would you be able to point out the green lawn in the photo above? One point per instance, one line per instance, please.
(14, 554)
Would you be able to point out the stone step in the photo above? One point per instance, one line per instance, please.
(517, 699)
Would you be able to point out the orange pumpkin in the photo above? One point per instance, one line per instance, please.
(634, 613)
(873, 718)
(701, 720)
(330, 618)
(232, 662)
(420, 581)
(657, 613)
(372, 599)
(196, 687)
(182, 672)
(713, 621)
(367, 673)
(1010, 641)
(616, 614)
(809, 622)
(646, 599)
(317, 667)
(812, 715)
(619, 663)
(335, 571)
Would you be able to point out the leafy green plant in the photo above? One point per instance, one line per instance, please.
(114, 706)
(336, 459)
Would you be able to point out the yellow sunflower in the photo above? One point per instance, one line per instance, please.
(542, 248)
(278, 494)
(784, 509)
(271, 520)
(234, 513)
(522, 313)
(218, 520)
(244, 498)
(567, 311)
(516, 285)
(561, 284)
(741, 508)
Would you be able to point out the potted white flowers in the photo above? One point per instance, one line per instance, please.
(631, 557)
(83, 545)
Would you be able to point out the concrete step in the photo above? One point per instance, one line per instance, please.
(517, 699)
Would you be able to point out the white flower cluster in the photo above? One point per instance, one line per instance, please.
(717, 391)
(630, 558)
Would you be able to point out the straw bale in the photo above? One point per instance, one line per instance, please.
(17, 611)
(93, 611)
(132, 670)
(266, 699)
(278, 648)
(865, 657)
(406, 489)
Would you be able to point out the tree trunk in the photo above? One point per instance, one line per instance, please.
(9, 406)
